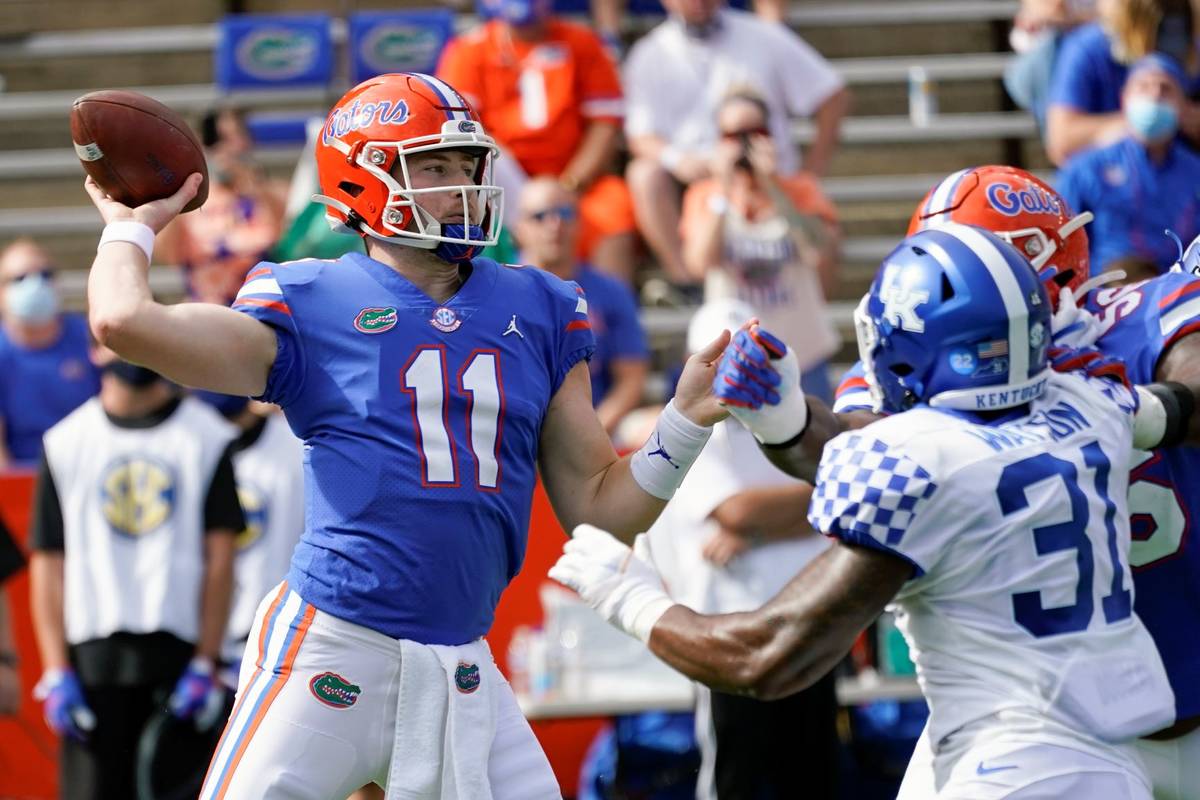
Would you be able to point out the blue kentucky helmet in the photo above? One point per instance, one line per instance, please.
(955, 318)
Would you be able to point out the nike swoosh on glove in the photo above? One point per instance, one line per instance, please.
(63, 705)
(612, 579)
(758, 380)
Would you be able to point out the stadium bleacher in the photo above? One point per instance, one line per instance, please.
(960, 45)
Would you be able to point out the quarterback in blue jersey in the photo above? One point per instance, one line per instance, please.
(1150, 326)
(429, 386)
(988, 505)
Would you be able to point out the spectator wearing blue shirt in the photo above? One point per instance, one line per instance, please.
(44, 354)
(547, 227)
(1143, 183)
(1084, 106)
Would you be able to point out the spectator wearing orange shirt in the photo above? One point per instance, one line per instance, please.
(765, 238)
(550, 95)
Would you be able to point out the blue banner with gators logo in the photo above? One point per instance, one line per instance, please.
(397, 41)
(265, 50)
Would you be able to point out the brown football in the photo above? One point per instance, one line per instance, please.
(136, 148)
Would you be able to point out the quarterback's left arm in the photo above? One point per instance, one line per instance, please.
(584, 478)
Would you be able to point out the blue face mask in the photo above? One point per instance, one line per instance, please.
(457, 252)
(32, 299)
(1152, 120)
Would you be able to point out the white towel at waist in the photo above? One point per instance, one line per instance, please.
(445, 722)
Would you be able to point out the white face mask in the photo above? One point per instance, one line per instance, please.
(32, 299)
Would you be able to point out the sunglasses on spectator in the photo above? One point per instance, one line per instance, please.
(745, 132)
(563, 213)
(46, 273)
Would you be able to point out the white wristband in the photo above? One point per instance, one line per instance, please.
(663, 461)
(127, 230)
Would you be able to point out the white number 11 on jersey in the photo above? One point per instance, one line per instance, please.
(426, 380)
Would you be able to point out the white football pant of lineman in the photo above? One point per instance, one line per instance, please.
(282, 743)
(991, 768)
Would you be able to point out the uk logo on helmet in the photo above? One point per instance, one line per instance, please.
(900, 306)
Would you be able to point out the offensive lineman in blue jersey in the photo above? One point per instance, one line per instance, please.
(1149, 326)
(428, 386)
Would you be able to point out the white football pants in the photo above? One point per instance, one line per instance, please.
(283, 741)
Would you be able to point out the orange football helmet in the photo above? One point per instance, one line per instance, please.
(362, 164)
(1020, 208)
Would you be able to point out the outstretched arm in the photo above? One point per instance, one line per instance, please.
(584, 478)
(758, 379)
(796, 638)
(774, 651)
(195, 344)
(1181, 364)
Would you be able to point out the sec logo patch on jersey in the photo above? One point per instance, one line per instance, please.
(137, 495)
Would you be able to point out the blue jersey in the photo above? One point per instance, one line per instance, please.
(420, 422)
(1143, 320)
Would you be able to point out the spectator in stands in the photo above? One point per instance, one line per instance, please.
(763, 237)
(241, 220)
(1036, 36)
(134, 517)
(1084, 108)
(11, 561)
(675, 77)
(1146, 181)
(730, 538)
(43, 353)
(547, 91)
(547, 227)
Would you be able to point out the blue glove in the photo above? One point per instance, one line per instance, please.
(63, 705)
(197, 695)
(758, 380)
(745, 377)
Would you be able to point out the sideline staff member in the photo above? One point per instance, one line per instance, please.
(135, 513)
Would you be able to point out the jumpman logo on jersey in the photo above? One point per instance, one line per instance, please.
(512, 328)
(662, 451)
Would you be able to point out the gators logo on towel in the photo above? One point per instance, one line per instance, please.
(333, 690)
(466, 677)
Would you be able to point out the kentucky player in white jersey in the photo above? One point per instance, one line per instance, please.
(425, 423)
(989, 506)
(1153, 326)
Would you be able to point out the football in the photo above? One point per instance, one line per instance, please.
(136, 148)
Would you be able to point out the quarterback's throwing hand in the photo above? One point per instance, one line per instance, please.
(156, 214)
(611, 578)
(758, 380)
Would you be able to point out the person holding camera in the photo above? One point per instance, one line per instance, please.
(768, 239)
